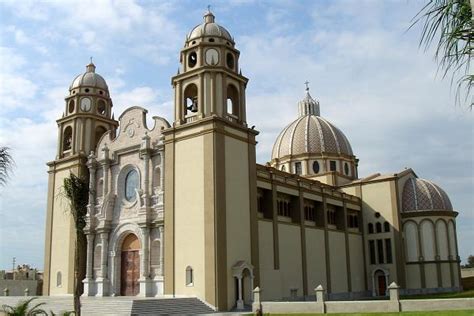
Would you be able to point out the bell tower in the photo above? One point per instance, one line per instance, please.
(209, 83)
(86, 117)
(210, 174)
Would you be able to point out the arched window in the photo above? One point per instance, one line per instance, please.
(232, 100)
(67, 138)
(101, 108)
(230, 60)
(191, 99)
(378, 227)
(59, 279)
(386, 227)
(71, 106)
(189, 276)
(192, 59)
(283, 168)
(131, 185)
(371, 228)
(346, 169)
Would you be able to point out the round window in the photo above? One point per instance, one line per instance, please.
(346, 169)
(316, 167)
(131, 185)
(230, 60)
(192, 59)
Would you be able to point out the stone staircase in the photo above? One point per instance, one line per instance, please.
(170, 306)
(107, 306)
(118, 306)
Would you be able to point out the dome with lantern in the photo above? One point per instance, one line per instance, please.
(311, 145)
(89, 79)
(209, 28)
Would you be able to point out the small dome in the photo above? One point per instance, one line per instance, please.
(424, 195)
(209, 28)
(89, 79)
(310, 134)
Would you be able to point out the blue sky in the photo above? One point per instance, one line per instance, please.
(365, 68)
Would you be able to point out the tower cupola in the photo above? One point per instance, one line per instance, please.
(209, 82)
(88, 114)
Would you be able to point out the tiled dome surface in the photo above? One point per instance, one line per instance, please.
(424, 195)
(311, 134)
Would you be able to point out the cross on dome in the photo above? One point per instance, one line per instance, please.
(209, 17)
(307, 85)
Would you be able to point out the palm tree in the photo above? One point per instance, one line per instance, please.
(6, 164)
(76, 190)
(449, 24)
(23, 308)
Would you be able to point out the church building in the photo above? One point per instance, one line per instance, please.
(181, 208)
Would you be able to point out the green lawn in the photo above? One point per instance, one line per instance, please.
(438, 313)
(464, 294)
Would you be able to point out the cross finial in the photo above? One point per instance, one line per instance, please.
(307, 85)
(91, 59)
(208, 8)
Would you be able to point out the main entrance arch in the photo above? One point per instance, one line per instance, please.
(130, 266)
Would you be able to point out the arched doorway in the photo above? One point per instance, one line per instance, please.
(130, 266)
(243, 274)
(380, 283)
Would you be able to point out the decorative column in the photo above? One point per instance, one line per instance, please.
(102, 281)
(162, 242)
(145, 196)
(89, 283)
(145, 284)
(106, 167)
(240, 301)
(89, 287)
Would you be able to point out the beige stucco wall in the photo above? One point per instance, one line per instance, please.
(290, 259)
(189, 195)
(62, 239)
(337, 259)
(356, 255)
(237, 210)
(269, 277)
(315, 258)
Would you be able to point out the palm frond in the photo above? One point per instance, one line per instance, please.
(448, 24)
(6, 164)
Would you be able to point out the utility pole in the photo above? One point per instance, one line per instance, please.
(13, 269)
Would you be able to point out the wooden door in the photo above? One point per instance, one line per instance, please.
(382, 285)
(130, 273)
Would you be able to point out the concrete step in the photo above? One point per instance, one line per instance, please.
(172, 306)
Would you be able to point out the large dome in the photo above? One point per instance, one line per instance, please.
(310, 134)
(209, 28)
(424, 195)
(89, 79)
